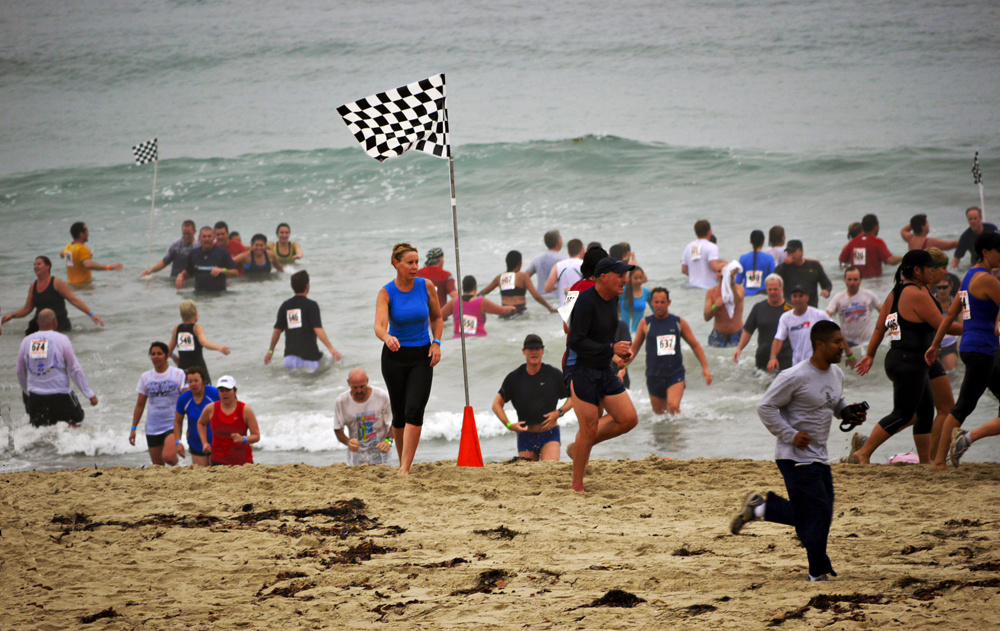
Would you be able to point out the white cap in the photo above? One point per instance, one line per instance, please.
(226, 381)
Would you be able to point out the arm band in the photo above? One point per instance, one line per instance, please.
(91, 314)
(135, 427)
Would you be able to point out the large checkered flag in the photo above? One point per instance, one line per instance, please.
(145, 152)
(977, 179)
(391, 123)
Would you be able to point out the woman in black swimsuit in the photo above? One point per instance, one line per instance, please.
(49, 292)
(514, 284)
(258, 260)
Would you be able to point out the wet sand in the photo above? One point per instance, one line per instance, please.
(503, 547)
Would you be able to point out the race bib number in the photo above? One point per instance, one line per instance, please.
(696, 252)
(470, 324)
(39, 349)
(507, 281)
(69, 259)
(892, 327)
(185, 341)
(294, 318)
(860, 255)
(754, 278)
(567, 308)
(964, 297)
(666, 345)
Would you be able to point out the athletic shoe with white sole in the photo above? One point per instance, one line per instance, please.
(960, 444)
(746, 514)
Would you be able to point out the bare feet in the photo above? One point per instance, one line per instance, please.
(939, 467)
(578, 489)
(401, 472)
(570, 450)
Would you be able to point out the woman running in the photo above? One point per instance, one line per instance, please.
(161, 387)
(191, 404)
(978, 304)
(909, 315)
(234, 427)
(406, 308)
(49, 292)
(514, 284)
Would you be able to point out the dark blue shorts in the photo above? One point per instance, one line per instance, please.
(530, 441)
(658, 386)
(593, 384)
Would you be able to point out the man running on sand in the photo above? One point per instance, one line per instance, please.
(593, 382)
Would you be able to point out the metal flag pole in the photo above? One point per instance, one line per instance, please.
(458, 272)
(149, 254)
(977, 178)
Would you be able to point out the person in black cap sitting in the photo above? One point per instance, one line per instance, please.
(535, 390)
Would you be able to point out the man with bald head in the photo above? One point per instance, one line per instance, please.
(45, 364)
(365, 414)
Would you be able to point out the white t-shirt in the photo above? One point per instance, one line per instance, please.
(796, 330)
(162, 389)
(698, 257)
(369, 422)
(777, 251)
(567, 275)
(855, 313)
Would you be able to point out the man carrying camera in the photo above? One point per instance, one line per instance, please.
(798, 409)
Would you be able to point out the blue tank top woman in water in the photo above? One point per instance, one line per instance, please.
(634, 317)
(409, 314)
(978, 318)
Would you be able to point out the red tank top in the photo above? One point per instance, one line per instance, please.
(224, 449)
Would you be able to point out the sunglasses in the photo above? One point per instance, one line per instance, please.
(943, 287)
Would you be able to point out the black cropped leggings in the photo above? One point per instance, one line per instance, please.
(981, 372)
(911, 392)
(408, 375)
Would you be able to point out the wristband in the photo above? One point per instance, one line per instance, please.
(713, 307)
(561, 412)
(270, 352)
(91, 314)
(178, 442)
(135, 427)
(851, 356)
(224, 270)
(438, 342)
(509, 424)
(388, 440)
(107, 267)
(244, 440)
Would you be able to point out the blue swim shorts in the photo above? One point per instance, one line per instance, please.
(658, 386)
(721, 340)
(530, 441)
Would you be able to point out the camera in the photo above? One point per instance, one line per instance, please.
(850, 415)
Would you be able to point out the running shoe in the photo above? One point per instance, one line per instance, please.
(745, 515)
(960, 444)
(821, 577)
(857, 442)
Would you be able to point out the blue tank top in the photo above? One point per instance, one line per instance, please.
(978, 335)
(409, 315)
(638, 309)
(663, 346)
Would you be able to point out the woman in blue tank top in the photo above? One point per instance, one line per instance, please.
(976, 306)
(406, 308)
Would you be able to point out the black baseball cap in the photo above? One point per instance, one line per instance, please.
(612, 265)
(798, 288)
(533, 341)
(793, 245)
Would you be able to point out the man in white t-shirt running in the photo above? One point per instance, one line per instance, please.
(795, 326)
(566, 272)
(365, 413)
(855, 306)
(700, 260)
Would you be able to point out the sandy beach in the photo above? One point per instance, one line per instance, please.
(507, 546)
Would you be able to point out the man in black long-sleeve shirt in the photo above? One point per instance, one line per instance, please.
(804, 272)
(593, 382)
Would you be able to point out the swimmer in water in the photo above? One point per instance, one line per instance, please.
(258, 261)
(286, 251)
(514, 284)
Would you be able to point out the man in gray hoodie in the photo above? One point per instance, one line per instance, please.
(798, 409)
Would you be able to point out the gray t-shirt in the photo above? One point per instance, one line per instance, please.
(177, 255)
(803, 399)
(542, 266)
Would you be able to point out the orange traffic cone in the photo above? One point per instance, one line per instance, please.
(469, 453)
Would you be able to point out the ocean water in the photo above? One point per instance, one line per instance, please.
(624, 123)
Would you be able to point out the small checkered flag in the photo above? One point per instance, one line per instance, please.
(145, 152)
(977, 175)
(411, 117)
